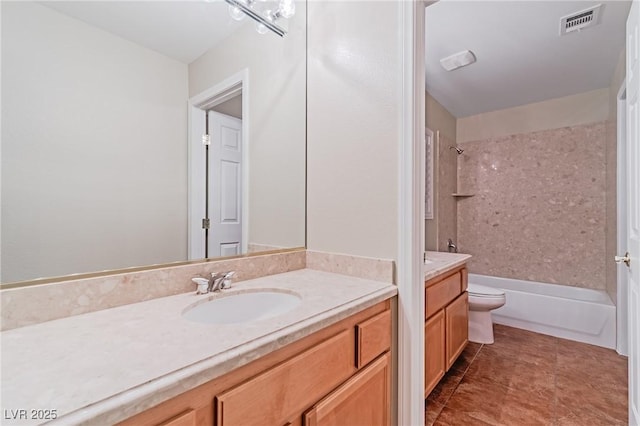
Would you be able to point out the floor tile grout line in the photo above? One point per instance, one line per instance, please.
(464, 373)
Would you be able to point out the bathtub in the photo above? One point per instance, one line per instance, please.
(573, 313)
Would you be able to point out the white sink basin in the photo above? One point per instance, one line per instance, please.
(242, 307)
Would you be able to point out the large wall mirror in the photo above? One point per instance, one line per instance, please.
(145, 133)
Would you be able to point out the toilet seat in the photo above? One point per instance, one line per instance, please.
(477, 290)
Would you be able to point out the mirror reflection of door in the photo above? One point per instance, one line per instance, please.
(216, 187)
(225, 185)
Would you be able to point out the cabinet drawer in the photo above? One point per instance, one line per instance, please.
(273, 397)
(441, 293)
(373, 338)
(188, 418)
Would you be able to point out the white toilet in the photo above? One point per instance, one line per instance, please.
(482, 300)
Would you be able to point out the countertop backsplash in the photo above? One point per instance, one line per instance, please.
(34, 304)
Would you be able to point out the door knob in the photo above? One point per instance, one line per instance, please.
(626, 259)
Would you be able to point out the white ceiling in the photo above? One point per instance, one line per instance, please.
(182, 30)
(521, 58)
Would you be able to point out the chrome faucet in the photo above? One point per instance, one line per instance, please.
(215, 281)
(452, 247)
(218, 280)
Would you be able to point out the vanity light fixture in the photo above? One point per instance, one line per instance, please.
(458, 60)
(265, 19)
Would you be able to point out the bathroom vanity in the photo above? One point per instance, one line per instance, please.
(145, 363)
(446, 314)
(341, 372)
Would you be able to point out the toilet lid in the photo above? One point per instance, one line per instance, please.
(484, 291)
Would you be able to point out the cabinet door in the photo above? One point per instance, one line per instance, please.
(365, 399)
(434, 351)
(457, 314)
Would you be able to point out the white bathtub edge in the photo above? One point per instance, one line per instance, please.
(565, 317)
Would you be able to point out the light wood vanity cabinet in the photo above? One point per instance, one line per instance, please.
(457, 320)
(188, 418)
(362, 400)
(447, 323)
(434, 350)
(338, 375)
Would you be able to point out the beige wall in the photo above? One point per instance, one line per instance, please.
(583, 108)
(616, 82)
(439, 118)
(354, 86)
(94, 157)
(232, 107)
(443, 225)
(276, 97)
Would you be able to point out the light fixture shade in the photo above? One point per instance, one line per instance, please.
(261, 28)
(287, 8)
(236, 13)
(458, 60)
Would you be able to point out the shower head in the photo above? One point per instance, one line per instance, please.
(457, 148)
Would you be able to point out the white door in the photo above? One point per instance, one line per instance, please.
(225, 185)
(197, 180)
(633, 208)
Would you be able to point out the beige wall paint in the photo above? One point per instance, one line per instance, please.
(616, 81)
(583, 108)
(438, 118)
(276, 96)
(94, 155)
(232, 107)
(354, 94)
(443, 224)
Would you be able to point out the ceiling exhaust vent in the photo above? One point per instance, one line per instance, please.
(580, 20)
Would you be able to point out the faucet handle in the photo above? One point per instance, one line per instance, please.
(226, 282)
(203, 285)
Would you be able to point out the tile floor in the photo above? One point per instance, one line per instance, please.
(526, 378)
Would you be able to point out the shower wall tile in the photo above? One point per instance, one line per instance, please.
(447, 184)
(611, 231)
(539, 210)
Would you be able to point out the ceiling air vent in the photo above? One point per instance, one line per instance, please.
(580, 20)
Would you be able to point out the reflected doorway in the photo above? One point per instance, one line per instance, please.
(218, 180)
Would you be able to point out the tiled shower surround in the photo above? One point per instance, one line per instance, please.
(446, 204)
(539, 210)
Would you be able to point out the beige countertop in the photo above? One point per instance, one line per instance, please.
(439, 262)
(105, 366)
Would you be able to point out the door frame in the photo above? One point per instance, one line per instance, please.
(621, 244)
(199, 104)
(411, 223)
